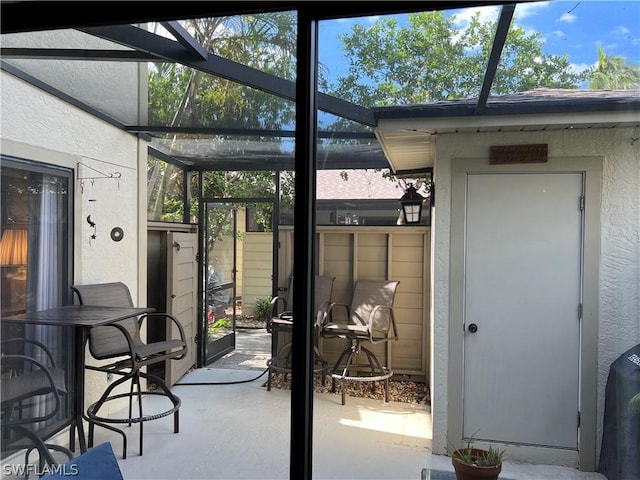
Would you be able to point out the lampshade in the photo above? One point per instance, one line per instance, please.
(13, 247)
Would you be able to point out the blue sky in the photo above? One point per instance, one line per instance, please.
(572, 27)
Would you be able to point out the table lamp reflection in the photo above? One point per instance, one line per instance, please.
(13, 256)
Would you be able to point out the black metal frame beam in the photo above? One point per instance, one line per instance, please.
(78, 54)
(238, 164)
(499, 39)
(301, 436)
(25, 15)
(173, 51)
(186, 50)
(203, 164)
(154, 152)
(186, 39)
(245, 132)
(274, 164)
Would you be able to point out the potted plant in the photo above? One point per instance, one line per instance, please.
(471, 463)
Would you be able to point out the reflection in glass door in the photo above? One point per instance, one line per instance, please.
(220, 285)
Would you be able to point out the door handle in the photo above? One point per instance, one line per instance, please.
(473, 328)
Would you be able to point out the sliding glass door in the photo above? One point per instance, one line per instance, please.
(35, 262)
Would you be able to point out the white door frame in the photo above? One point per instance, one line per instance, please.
(585, 459)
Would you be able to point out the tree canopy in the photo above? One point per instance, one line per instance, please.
(427, 58)
(182, 96)
(431, 59)
(611, 73)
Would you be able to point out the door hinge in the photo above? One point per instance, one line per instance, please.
(580, 311)
(578, 419)
(582, 203)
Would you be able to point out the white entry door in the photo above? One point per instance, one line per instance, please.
(182, 297)
(523, 249)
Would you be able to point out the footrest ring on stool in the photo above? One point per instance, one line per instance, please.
(96, 420)
(376, 376)
(144, 418)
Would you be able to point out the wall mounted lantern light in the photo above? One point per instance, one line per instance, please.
(412, 205)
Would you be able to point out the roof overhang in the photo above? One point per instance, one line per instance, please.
(408, 134)
(408, 150)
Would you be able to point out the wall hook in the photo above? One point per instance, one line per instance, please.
(98, 175)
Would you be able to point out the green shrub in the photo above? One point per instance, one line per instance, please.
(263, 308)
(222, 323)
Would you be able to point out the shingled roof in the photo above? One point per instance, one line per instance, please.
(407, 133)
(539, 100)
(361, 184)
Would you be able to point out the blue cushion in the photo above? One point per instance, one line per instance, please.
(97, 463)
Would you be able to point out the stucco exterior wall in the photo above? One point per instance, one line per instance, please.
(619, 271)
(38, 127)
(98, 84)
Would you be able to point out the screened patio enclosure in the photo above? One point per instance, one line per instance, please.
(195, 147)
(216, 117)
(198, 156)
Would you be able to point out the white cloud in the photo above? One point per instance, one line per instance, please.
(621, 30)
(579, 67)
(557, 34)
(625, 34)
(369, 19)
(524, 10)
(463, 17)
(567, 18)
(528, 29)
(608, 47)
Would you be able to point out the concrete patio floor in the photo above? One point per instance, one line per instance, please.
(239, 430)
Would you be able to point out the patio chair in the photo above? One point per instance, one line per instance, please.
(280, 315)
(370, 319)
(280, 362)
(31, 389)
(121, 343)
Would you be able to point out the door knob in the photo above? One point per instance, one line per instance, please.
(473, 328)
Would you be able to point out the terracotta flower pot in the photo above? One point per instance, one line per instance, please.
(465, 471)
